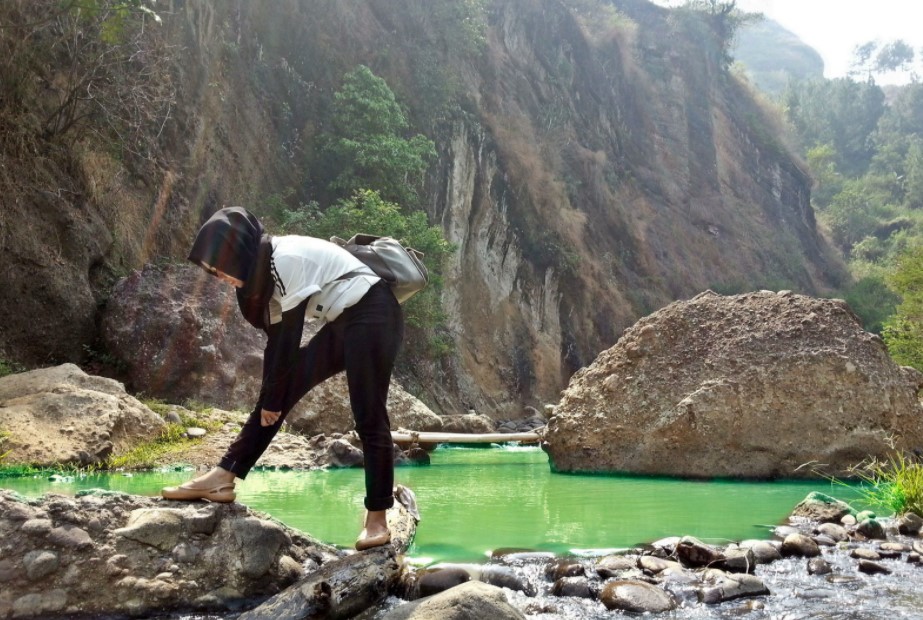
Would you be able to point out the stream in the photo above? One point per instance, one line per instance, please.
(474, 501)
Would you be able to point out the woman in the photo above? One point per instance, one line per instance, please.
(279, 280)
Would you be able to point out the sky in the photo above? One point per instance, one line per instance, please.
(835, 27)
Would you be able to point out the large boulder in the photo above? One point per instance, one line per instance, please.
(179, 336)
(63, 415)
(757, 385)
(107, 553)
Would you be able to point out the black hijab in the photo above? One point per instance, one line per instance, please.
(233, 242)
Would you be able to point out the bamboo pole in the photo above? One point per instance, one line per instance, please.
(404, 436)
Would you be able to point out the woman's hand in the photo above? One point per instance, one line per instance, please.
(268, 418)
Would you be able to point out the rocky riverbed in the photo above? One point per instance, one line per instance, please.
(110, 554)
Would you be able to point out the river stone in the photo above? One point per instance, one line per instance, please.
(656, 565)
(736, 561)
(506, 577)
(863, 553)
(635, 596)
(834, 531)
(434, 581)
(40, 563)
(764, 552)
(564, 568)
(615, 565)
(720, 586)
(799, 545)
(910, 524)
(873, 568)
(577, 587)
(821, 507)
(796, 378)
(871, 529)
(693, 553)
(36, 605)
(819, 566)
(473, 600)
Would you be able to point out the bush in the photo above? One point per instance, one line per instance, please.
(366, 212)
(895, 484)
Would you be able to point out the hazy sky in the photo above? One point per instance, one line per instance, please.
(835, 27)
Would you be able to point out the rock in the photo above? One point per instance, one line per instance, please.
(470, 423)
(654, 565)
(213, 355)
(872, 568)
(63, 415)
(341, 453)
(799, 545)
(578, 587)
(635, 596)
(764, 552)
(505, 577)
(693, 553)
(739, 561)
(910, 524)
(834, 531)
(862, 553)
(564, 568)
(705, 378)
(434, 581)
(719, 586)
(115, 554)
(615, 565)
(819, 566)
(820, 507)
(195, 432)
(871, 529)
(469, 601)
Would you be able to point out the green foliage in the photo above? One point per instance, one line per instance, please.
(367, 212)
(872, 300)
(724, 20)
(874, 57)
(9, 368)
(903, 333)
(366, 148)
(895, 484)
(840, 113)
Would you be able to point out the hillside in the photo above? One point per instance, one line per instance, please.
(595, 162)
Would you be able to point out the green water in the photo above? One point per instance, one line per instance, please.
(473, 501)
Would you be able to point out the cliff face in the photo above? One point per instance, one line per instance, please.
(595, 165)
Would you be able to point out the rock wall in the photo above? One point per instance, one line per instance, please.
(759, 385)
(595, 163)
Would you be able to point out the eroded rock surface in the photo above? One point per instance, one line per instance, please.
(114, 553)
(753, 385)
(63, 415)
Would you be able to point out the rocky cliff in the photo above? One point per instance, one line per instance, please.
(596, 161)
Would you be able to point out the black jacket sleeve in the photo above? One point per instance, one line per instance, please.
(281, 355)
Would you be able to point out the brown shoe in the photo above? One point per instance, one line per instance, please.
(223, 493)
(368, 542)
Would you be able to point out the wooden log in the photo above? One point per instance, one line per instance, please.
(346, 586)
(401, 437)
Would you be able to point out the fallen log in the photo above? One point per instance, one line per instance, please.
(346, 586)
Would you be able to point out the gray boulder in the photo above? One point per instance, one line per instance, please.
(635, 596)
(63, 415)
(754, 385)
(469, 601)
(107, 553)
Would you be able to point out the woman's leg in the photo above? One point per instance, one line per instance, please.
(372, 340)
(317, 361)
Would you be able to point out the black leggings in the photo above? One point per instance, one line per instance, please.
(364, 341)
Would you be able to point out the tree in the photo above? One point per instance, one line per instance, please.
(367, 212)
(903, 333)
(366, 147)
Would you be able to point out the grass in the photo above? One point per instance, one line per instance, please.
(147, 455)
(895, 484)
